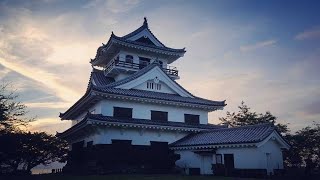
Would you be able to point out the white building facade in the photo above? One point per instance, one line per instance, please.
(139, 119)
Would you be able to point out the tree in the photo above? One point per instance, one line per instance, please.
(20, 150)
(12, 113)
(245, 117)
(25, 150)
(305, 144)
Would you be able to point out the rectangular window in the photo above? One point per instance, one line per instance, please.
(218, 159)
(124, 113)
(159, 116)
(191, 119)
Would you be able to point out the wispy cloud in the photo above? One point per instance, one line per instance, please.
(51, 105)
(113, 6)
(313, 33)
(258, 45)
(48, 80)
(50, 125)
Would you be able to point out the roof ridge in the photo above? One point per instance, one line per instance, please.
(245, 134)
(246, 126)
(145, 25)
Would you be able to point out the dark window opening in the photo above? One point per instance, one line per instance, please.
(159, 62)
(129, 59)
(143, 62)
(159, 146)
(120, 112)
(191, 119)
(159, 115)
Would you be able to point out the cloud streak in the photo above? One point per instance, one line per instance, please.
(311, 34)
(258, 45)
(48, 80)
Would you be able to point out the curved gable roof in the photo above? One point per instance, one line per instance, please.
(144, 71)
(144, 26)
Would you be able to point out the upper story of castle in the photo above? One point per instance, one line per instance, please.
(132, 75)
(123, 56)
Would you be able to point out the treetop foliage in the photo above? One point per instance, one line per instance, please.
(246, 117)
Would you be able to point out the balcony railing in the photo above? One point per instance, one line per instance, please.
(135, 66)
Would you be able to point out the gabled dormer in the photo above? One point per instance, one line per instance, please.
(125, 55)
(144, 35)
(152, 78)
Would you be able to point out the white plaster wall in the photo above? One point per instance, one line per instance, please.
(188, 159)
(95, 109)
(143, 110)
(255, 157)
(244, 158)
(164, 88)
(138, 136)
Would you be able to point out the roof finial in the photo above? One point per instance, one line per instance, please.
(145, 22)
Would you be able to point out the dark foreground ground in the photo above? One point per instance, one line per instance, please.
(144, 177)
(116, 177)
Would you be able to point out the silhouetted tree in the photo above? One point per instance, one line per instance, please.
(20, 150)
(12, 113)
(245, 117)
(305, 146)
(24, 150)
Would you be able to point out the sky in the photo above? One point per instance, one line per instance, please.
(265, 53)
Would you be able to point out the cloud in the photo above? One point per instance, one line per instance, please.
(313, 33)
(258, 45)
(113, 6)
(46, 79)
(49, 125)
(51, 105)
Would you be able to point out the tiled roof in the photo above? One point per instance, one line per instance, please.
(100, 79)
(141, 28)
(159, 96)
(99, 117)
(140, 73)
(237, 135)
(134, 76)
(106, 85)
(148, 45)
(124, 40)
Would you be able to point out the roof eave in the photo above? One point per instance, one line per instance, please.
(175, 53)
(213, 146)
(141, 99)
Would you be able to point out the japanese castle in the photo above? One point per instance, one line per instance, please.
(135, 118)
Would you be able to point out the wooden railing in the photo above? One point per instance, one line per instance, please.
(116, 63)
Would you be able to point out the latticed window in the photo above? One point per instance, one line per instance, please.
(123, 113)
(159, 115)
(152, 85)
(191, 119)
